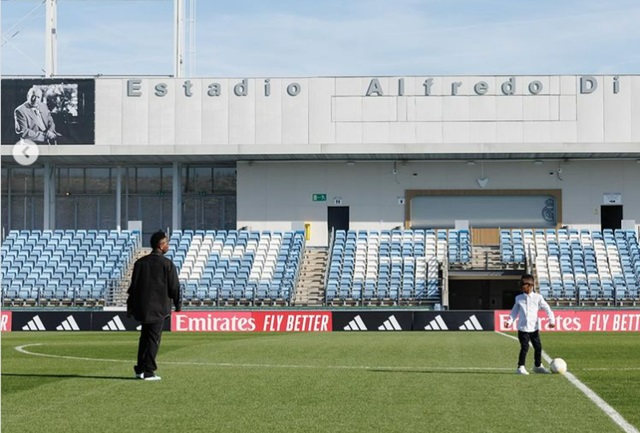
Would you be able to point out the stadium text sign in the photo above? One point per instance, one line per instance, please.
(251, 321)
(588, 84)
(135, 88)
(581, 321)
(5, 321)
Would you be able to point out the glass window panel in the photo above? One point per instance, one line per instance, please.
(38, 180)
(70, 180)
(65, 212)
(18, 212)
(133, 209)
(187, 174)
(62, 180)
(99, 180)
(37, 213)
(87, 212)
(189, 221)
(129, 180)
(166, 180)
(21, 180)
(151, 220)
(107, 219)
(167, 213)
(5, 212)
(148, 179)
(75, 181)
(4, 181)
(230, 215)
(213, 213)
(202, 180)
(224, 179)
(26, 213)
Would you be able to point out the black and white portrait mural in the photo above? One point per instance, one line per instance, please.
(48, 111)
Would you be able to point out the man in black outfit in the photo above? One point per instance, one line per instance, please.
(154, 286)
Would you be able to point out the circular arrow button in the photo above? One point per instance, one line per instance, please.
(25, 152)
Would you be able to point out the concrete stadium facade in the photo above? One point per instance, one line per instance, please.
(357, 152)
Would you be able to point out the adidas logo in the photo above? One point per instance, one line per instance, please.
(436, 324)
(391, 324)
(471, 324)
(356, 325)
(68, 324)
(114, 324)
(34, 324)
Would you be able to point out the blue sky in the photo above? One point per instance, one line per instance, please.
(286, 38)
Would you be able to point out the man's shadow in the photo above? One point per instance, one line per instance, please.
(68, 376)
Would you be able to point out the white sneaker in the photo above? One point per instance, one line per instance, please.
(154, 377)
(541, 370)
(139, 375)
(522, 370)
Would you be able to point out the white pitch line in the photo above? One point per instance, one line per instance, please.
(22, 349)
(611, 369)
(602, 405)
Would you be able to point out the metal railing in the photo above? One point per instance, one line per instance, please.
(77, 295)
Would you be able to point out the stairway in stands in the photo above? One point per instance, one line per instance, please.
(119, 297)
(310, 287)
(485, 258)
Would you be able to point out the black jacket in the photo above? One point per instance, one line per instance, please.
(154, 286)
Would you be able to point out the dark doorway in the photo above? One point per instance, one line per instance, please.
(611, 217)
(337, 218)
(483, 294)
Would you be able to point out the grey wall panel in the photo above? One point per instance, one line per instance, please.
(188, 114)
(109, 96)
(472, 114)
(483, 211)
(164, 115)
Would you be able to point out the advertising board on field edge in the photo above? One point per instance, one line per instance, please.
(38, 320)
(581, 321)
(5, 321)
(340, 320)
(251, 321)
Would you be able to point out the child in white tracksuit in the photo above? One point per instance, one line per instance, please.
(526, 310)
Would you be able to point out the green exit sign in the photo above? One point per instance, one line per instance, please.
(319, 197)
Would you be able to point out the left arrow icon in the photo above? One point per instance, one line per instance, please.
(25, 152)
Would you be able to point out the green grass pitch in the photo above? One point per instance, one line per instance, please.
(333, 382)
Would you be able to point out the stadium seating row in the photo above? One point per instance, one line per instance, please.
(578, 264)
(64, 265)
(237, 266)
(391, 265)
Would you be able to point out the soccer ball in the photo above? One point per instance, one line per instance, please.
(558, 366)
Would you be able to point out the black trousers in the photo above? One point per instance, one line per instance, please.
(148, 346)
(534, 338)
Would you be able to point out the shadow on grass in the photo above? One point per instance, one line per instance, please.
(68, 376)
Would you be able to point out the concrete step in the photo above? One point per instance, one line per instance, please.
(310, 287)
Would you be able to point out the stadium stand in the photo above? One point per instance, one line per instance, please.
(580, 265)
(388, 267)
(237, 266)
(391, 266)
(58, 267)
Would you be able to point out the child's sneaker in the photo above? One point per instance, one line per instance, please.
(540, 369)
